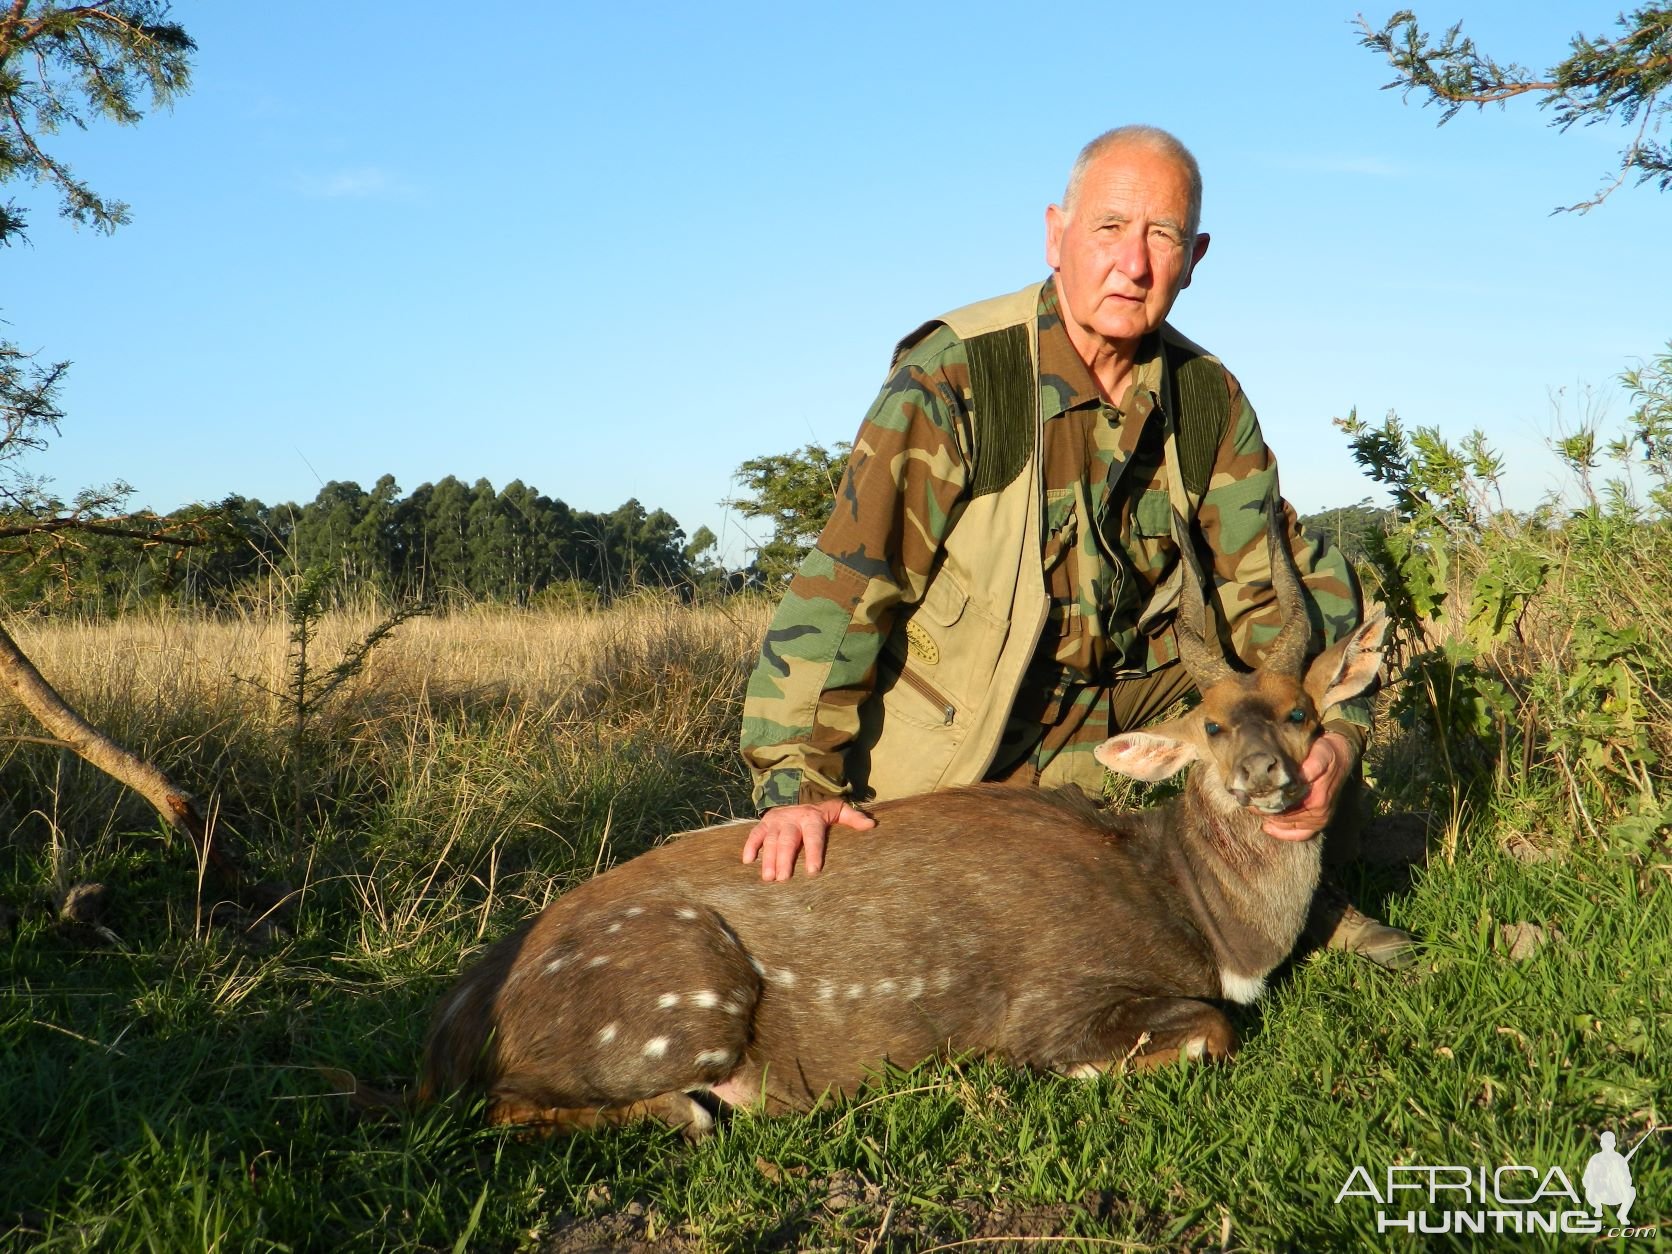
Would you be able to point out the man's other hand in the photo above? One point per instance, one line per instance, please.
(1326, 767)
(785, 831)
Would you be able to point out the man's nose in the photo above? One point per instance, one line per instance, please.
(1132, 257)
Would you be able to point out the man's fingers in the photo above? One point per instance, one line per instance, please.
(850, 817)
(782, 834)
(1295, 826)
(785, 844)
(1320, 761)
(812, 842)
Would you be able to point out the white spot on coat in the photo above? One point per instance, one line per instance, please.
(613, 928)
(667, 1001)
(655, 1047)
(885, 988)
(707, 998)
(599, 961)
(915, 988)
(781, 977)
(685, 912)
(856, 990)
(634, 912)
(713, 1057)
(556, 964)
(606, 1034)
(827, 990)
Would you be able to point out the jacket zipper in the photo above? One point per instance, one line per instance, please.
(928, 690)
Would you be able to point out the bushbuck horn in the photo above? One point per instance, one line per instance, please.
(1287, 653)
(1199, 649)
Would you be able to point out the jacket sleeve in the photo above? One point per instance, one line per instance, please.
(1234, 523)
(895, 504)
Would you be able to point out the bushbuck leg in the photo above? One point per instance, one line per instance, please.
(677, 1110)
(1148, 1032)
(658, 998)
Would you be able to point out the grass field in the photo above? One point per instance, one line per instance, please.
(159, 1066)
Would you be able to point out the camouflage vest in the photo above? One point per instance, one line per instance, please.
(953, 664)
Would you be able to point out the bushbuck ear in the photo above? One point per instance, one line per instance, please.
(1348, 666)
(1146, 755)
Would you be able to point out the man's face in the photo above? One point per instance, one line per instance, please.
(1122, 253)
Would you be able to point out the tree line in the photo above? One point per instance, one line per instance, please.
(447, 540)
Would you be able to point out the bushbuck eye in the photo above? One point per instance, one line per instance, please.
(1297, 715)
(1212, 728)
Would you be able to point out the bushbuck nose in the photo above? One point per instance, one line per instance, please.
(1262, 772)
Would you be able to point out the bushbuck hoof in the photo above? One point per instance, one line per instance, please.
(1209, 1046)
(1150, 1032)
(677, 1110)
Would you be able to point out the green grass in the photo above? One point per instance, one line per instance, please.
(165, 1094)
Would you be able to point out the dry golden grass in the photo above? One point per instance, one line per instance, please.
(573, 735)
(541, 660)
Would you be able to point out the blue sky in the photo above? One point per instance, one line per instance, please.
(614, 251)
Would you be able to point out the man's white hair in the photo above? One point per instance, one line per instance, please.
(1164, 142)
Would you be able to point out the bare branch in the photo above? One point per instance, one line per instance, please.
(176, 806)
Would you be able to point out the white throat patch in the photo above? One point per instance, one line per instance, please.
(1242, 989)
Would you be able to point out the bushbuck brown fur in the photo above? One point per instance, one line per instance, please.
(1029, 925)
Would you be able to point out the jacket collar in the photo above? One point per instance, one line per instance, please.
(1065, 382)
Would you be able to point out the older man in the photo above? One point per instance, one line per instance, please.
(992, 597)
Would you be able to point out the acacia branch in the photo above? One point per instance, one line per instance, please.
(174, 804)
(55, 526)
(1600, 80)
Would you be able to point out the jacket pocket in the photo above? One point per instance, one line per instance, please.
(934, 709)
(1153, 515)
(936, 651)
(908, 733)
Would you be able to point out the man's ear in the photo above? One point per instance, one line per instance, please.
(1348, 666)
(1150, 756)
(1056, 217)
(1197, 252)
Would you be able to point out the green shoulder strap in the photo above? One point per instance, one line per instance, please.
(1199, 407)
(1003, 383)
(1003, 389)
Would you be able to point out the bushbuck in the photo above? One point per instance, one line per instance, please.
(1029, 925)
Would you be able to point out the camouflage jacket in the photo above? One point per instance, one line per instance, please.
(1107, 546)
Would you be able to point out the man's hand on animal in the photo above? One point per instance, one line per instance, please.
(1326, 767)
(786, 831)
